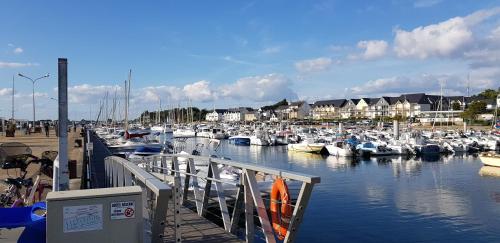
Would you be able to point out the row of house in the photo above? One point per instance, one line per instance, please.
(406, 105)
(231, 115)
(293, 111)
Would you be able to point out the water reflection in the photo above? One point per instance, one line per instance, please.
(490, 171)
(438, 202)
(390, 199)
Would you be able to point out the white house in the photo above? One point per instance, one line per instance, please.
(236, 114)
(215, 116)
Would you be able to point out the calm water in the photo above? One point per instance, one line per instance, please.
(388, 200)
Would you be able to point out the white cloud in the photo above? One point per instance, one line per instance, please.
(5, 91)
(270, 87)
(313, 65)
(272, 49)
(18, 50)
(199, 91)
(90, 94)
(445, 39)
(373, 49)
(16, 64)
(425, 3)
(153, 94)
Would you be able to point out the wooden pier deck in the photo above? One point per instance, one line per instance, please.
(196, 229)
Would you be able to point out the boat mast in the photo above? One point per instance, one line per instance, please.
(113, 117)
(127, 94)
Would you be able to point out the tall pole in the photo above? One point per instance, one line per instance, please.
(33, 106)
(13, 92)
(61, 172)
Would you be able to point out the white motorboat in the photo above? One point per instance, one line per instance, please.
(341, 148)
(184, 133)
(306, 146)
(490, 159)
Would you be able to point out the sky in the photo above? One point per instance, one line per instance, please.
(243, 53)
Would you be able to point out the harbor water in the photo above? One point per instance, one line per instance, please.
(390, 199)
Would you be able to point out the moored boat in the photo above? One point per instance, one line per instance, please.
(490, 159)
(305, 146)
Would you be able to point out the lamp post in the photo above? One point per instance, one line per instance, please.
(33, 82)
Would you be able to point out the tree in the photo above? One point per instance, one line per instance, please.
(474, 109)
(455, 106)
(273, 107)
(488, 94)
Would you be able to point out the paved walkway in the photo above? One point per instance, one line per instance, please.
(38, 143)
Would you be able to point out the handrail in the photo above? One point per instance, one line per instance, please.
(248, 194)
(272, 171)
(121, 172)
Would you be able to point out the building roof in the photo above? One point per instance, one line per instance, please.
(370, 101)
(334, 103)
(418, 98)
(390, 100)
(355, 101)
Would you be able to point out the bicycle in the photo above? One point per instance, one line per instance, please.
(13, 196)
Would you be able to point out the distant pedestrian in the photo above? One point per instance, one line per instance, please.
(46, 126)
(29, 128)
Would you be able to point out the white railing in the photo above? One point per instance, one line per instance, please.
(121, 172)
(247, 197)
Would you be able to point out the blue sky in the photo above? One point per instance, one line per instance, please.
(245, 53)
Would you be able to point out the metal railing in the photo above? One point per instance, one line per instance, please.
(185, 175)
(121, 172)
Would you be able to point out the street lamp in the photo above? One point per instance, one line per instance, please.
(33, 82)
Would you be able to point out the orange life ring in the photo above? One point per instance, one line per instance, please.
(280, 217)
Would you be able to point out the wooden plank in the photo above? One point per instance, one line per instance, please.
(261, 207)
(197, 229)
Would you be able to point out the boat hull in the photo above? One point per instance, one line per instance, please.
(490, 160)
(307, 148)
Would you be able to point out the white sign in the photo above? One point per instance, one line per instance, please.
(82, 218)
(123, 210)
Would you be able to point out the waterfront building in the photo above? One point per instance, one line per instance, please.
(406, 105)
(236, 114)
(327, 109)
(274, 118)
(250, 117)
(348, 110)
(215, 116)
(298, 110)
(363, 108)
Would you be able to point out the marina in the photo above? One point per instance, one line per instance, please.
(250, 121)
